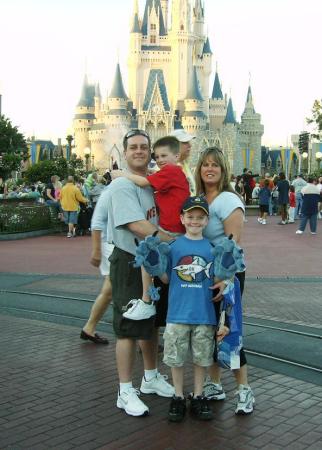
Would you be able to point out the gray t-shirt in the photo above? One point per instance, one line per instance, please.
(128, 203)
(298, 184)
(219, 210)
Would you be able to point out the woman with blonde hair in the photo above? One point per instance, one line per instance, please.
(226, 216)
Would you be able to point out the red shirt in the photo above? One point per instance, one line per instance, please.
(291, 197)
(172, 189)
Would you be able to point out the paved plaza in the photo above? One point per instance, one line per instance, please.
(57, 392)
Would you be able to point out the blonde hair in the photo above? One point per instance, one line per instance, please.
(217, 155)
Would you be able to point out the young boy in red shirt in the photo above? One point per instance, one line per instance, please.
(292, 203)
(171, 190)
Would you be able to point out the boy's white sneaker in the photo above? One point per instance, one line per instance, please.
(245, 400)
(157, 385)
(139, 310)
(130, 402)
(213, 391)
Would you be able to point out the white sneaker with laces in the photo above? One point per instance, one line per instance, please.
(245, 400)
(299, 232)
(130, 402)
(213, 391)
(139, 310)
(158, 385)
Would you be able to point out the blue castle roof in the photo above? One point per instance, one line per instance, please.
(206, 47)
(87, 95)
(194, 92)
(136, 25)
(230, 116)
(117, 90)
(217, 92)
(156, 76)
(148, 6)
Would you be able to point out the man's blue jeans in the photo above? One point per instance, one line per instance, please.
(298, 204)
(312, 220)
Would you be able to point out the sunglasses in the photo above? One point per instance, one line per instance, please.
(136, 132)
(212, 149)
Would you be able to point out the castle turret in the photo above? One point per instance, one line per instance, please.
(153, 23)
(134, 59)
(250, 135)
(194, 119)
(84, 117)
(198, 22)
(165, 12)
(181, 41)
(217, 106)
(97, 102)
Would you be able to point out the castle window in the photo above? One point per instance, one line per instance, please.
(182, 27)
(153, 40)
(153, 26)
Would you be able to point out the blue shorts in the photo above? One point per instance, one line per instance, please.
(70, 217)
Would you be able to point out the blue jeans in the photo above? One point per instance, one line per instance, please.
(313, 222)
(298, 204)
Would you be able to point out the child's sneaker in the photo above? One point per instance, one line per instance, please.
(200, 408)
(259, 219)
(139, 310)
(213, 391)
(245, 400)
(130, 402)
(157, 385)
(177, 409)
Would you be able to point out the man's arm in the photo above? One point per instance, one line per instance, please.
(136, 179)
(96, 255)
(48, 193)
(143, 228)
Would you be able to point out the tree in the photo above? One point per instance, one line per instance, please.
(43, 170)
(13, 147)
(316, 118)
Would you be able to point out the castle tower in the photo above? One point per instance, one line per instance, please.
(205, 72)
(181, 41)
(229, 135)
(84, 117)
(198, 23)
(250, 134)
(165, 12)
(217, 106)
(97, 102)
(134, 60)
(194, 119)
(117, 114)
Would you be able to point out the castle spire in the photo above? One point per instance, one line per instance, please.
(87, 95)
(149, 7)
(249, 106)
(217, 92)
(230, 115)
(135, 21)
(117, 90)
(194, 92)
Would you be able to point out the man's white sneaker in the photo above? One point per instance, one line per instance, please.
(263, 222)
(299, 232)
(130, 402)
(259, 219)
(213, 391)
(245, 400)
(158, 385)
(139, 310)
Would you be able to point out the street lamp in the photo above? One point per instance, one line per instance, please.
(304, 157)
(87, 154)
(318, 157)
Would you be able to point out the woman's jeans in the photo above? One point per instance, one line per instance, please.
(313, 222)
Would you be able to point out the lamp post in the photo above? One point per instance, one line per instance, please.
(318, 157)
(304, 158)
(87, 154)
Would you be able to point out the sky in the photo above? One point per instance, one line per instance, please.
(46, 46)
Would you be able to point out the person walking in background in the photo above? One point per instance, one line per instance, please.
(263, 200)
(298, 184)
(309, 211)
(185, 149)
(283, 187)
(70, 198)
(292, 203)
(319, 185)
(271, 187)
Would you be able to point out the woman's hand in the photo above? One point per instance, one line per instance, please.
(219, 288)
(221, 333)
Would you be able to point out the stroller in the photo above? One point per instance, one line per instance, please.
(84, 220)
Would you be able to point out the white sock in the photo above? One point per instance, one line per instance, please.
(149, 374)
(125, 386)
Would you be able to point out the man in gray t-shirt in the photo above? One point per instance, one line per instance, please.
(132, 214)
(298, 184)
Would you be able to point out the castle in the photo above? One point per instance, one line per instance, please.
(169, 73)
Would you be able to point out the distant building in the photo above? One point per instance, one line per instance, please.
(169, 73)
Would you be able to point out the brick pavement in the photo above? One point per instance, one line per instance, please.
(57, 392)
